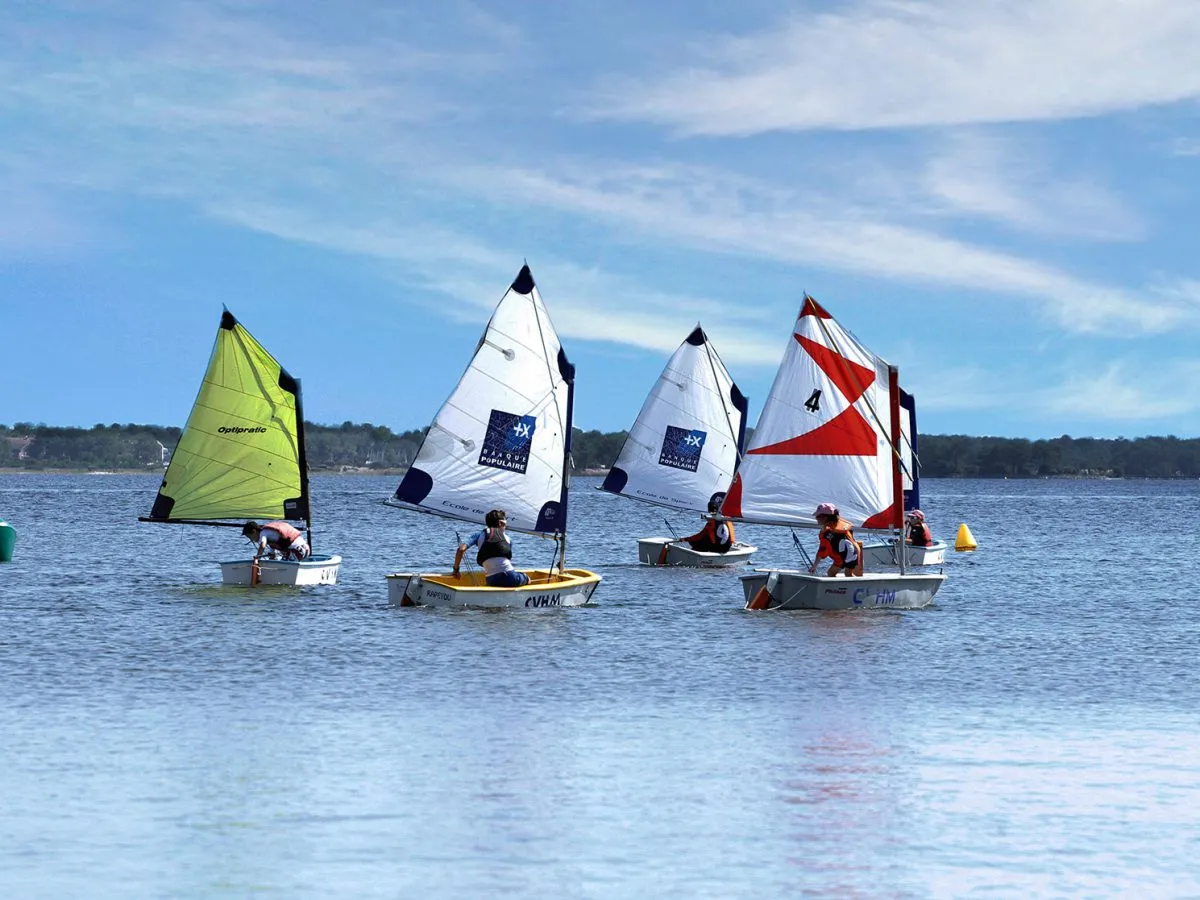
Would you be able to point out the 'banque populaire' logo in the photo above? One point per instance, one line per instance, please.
(681, 448)
(506, 444)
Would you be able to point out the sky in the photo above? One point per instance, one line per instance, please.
(999, 198)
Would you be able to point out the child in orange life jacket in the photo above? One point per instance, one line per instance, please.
(279, 537)
(717, 534)
(919, 534)
(837, 543)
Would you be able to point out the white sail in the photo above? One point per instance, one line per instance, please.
(502, 438)
(683, 448)
(824, 434)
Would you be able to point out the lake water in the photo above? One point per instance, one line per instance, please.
(1035, 732)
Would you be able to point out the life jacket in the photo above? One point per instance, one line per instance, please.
(919, 535)
(495, 543)
(710, 532)
(831, 541)
(287, 534)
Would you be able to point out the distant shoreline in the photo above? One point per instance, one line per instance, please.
(597, 473)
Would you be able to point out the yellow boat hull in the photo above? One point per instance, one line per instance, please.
(546, 589)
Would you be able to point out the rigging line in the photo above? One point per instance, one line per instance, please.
(803, 552)
(553, 558)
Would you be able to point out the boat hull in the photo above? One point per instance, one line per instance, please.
(650, 552)
(789, 589)
(317, 569)
(573, 588)
(8, 537)
(885, 555)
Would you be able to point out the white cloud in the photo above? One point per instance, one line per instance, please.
(32, 226)
(1186, 147)
(586, 304)
(345, 143)
(714, 212)
(1073, 391)
(898, 64)
(1014, 182)
(1122, 393)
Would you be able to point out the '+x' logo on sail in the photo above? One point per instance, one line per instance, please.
(521, 429)
(693, 440)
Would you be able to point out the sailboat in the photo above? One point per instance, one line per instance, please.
(683, 449)
(888, 552)
(501, 441)
(829, 432)
(241, 457)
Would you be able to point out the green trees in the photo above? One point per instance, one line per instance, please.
(366, 446)
(955, 455)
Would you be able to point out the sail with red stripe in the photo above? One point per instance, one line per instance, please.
(824, 435)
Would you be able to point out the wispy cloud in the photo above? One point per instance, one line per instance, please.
(711, 211)
(586, 303)
(900, 64)
(986, 176)
(33, 227)
(1120, 393)
(1071, 391)
(330, 132)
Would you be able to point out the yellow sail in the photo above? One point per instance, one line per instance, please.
(241, 454)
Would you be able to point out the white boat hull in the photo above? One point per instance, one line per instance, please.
(573, 588)
(790, 589)
(317, 569)
(885, 555)
(650, 552)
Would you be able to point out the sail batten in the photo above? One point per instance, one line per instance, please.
(684, 445)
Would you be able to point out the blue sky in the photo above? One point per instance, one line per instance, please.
(999, 198)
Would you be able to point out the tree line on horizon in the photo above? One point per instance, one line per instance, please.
(331, 448)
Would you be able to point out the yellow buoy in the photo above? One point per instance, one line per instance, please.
(965, 540)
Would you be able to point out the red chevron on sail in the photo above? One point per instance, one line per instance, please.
(851, 378)
(846, 434)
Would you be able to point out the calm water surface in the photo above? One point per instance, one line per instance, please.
(1036, 732)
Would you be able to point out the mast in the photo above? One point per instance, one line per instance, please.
(303, 460)
(567, 370)
(897, 477)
